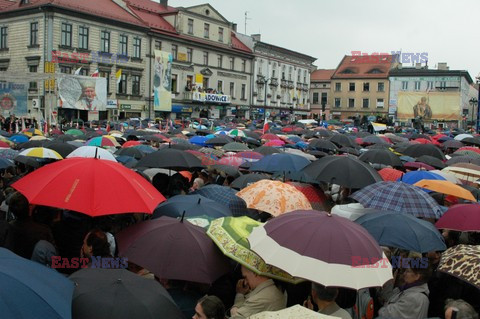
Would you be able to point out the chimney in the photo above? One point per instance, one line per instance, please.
(442, 66)
(234, 27)
(418, 66)
(256, 37)
(164, 3)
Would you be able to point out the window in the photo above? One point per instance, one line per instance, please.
(189, 82)
(220, 34)
(158, 45)
(442, 84)
(83, 37)
(232, 63)
(190, 26)
(135, 84)
(290, 73)
(220, 87)
(123, 49)
(351, 102)
(34, 33)
(324, 98)
(298, 76)
(366, 103)
(66, 39)
(33, 85)
(380, 87)
(174, 83)
(122, 86)
(338, 87)
(66, 69)
(137, 48)
(205, 58)
(220, 60)
(244, 91)
(366, 87)
(3, 37)
(206, 30)
(106, 75)
(174, 51)
(351, 87)
(305, 77)
(189, 54)
(380, 103)
(337, 102)
(315, 98)
(404, 85)
(205, 83)
(232, 89)
(244, 66)
(417, 85)
(430, 85)
(273, 73)
(105, 41)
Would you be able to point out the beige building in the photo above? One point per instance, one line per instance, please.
(320, 92)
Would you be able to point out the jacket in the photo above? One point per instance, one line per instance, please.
(409, 304)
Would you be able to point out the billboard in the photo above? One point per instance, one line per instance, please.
(429, 106)
(162, 79)
(83, 92)
(13, 98)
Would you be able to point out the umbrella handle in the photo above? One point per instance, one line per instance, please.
(183, 216)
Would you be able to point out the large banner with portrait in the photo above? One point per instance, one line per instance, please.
(162, 80)
(13, 98)
(438, 106)
(83, 92)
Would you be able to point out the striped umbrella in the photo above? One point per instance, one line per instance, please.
(236, 133)
(103, 141)
(32, 131)
(74, 132)
(41, 152)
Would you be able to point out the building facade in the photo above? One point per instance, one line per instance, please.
(320, 93)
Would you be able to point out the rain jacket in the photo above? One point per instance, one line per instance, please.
(410, 303)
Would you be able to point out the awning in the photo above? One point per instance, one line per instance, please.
(182, 109)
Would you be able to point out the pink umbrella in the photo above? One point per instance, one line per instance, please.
(131, 143)
(469, 148)
(231, 161)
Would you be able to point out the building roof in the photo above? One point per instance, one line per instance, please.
(150, 13)
(322, 75)
(429, 72)
(239, 45)
(151, 6)
(353, 67)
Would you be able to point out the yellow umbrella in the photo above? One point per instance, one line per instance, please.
(32, 131)
(445, 187)
(274, 197)
(41, 152)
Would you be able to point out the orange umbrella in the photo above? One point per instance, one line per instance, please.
(445, 187)
(274, 197)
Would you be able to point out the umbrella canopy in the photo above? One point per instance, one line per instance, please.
(236, 133)
(170, 158)
(31, 144)
(315, 195)
(471, 141)
(432, 161)
(74, 132)
(8, 153)
(461, 217)
(274, 197)
(463, 262)
(131, 151)
(247, 179)
(418, 165)
(41, 152)
(463, 159)
(415, 176)
(131, 144)
(90, 186)
(267, 150)
(230, 235)
(342, 170)
(463, 173)
(418, 150)
(402, 231)
(27, 290)
(275, 143)
(235, 147)
(379, 156)
(32, 132)
(92, 152)
(398, 197)
(390, 174)
(169, 248)
(445, 187)
(322, 248)
(19, 138)
(280, 163)
(103, 141)
(231, 161)
(342, 140)
(219, 141)
(322, 145)
(452, 144)
(198, 140)
(191, 205)
(460, 137)
(61, 148)
(5, 162)
(467, 153)
(226, 196)
(250, 156)
(119, 293)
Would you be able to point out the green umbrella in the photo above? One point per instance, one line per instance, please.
(74, 132)
(230, 235)
(236, 133)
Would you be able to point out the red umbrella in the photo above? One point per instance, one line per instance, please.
(131, 143)
(4, 144)
(231, 161)
(249, 155)
(315, 196)
(90, 186)
(269, 136)
(275, 143)
(417, 165)
(423, 141)
(469, 148)
(390, 174)
(462, 217)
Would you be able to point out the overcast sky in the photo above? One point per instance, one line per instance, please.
(449, 31)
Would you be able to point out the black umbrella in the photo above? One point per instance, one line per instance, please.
(191, 205)
(34, 143)
(342, 170)
(252, 134)
(432, 161)
(323, 133)
(181, 146)
(417, 150)
(5, 162)
(131, 151)
(61, 148)
(373, 139)
(267, 150)
(170, 158)
(342, 140)
(235, 147)
(402, 146)
(317, 154)
(219, 141)
(322, 145)
(471, 141)
(203, 132)
(349, 150)
(119, 293)
(227, 169)
(381, 157)
(363, 134)
(247, 179)
(378, 147)
(65, 138)
(27, 160)
(452, 144)
(463, 159)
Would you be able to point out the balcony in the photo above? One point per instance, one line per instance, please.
(273, 82)
(209, 98)
(290, 84)
(283, 83)
(260, 79)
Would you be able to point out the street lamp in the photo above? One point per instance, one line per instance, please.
(478, 105)
(473, 102)
(265, 97)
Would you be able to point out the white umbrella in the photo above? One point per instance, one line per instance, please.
(310, 157)
(448, 176)
(296, 311)
(460, 137)
(92, 152)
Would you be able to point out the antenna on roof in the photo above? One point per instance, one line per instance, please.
(246, 18)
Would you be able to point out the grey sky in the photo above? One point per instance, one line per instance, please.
(328, 30)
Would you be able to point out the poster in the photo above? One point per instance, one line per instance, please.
(13, 98)
(83, 92)
(162, 79)
(429, 106)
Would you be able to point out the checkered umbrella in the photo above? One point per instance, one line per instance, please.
(398, 197)
(390, 174)
(225, 196)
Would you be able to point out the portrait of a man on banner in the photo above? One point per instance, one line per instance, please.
(162, 97)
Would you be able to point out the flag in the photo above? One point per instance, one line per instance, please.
(266, 126)
(77, 71)
(95, 74)
(45, 127)
(118, 76)
(108, 127)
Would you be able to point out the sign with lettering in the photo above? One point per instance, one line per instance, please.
(211, 98)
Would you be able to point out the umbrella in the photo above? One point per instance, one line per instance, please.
(64, 138)
(295, 311)
(250, 156)
(61, 148)
(467, 153)
(342, 140)
(275, 143)
(461, 217)
(74, 132)
(469, 148)
(103, 141)
(402, 231)
(267, 150)
(28, 290)
(342, 170)
(19, 138)
(463, 159)
(226, 196)
(169, 248)
(269, 136)
(322, 145)
(398, 197)
(41, 152)
(218, 141)
(119, 293)
(231, 161)
(235, 147)
(274, 197)
(191, 205)
(230, 235)
(5, 162)
(31, 144)
(90, 186)
(236, 133)
(460, 137)
(380, 157)
(445, 187)
(463, 173)
(198, 140)
(131, 144)
(206, 159)
(463, 262)
(323, 248)
(145, 148)
(247, 179)
(432, 161)
(8, 153)
(390, 174)
(92, 152)
(419, 166)
(448, 176)
(415, 176)
(418, 150)
(471, 141)
(280, 163)
(226, 169)
(452, 144)
(170, 158)
(315, 195)
(29, 161)
(32, 132)
(131, 151)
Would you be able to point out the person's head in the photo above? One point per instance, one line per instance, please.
(89, 90)
(198, 183)
(19, 206)
(252, 279)
(96, 243)
(322, 293)
(424, 99)
(464, 309)
(209, 307)
(417, 274)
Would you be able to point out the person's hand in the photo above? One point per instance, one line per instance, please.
(308, 303)
(242, 287)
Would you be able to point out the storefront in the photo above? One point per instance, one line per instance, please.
(181, 111)
(130, 110)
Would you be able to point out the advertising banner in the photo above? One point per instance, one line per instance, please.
(13, 98)
(210, 97)
(162, 96)
(83, 92)
(429, 106)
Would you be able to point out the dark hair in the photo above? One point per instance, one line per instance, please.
(325, 293)
(212, 307)
(424, 272)
(19, 206)
(99, 242)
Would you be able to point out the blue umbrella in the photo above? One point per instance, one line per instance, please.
(18, 138)
(126, 160)
(406, 158)
(31, 290)
(280, 163)
(226, 196)
(191, 205)
(301, 144)
(402, 231)
(416, 176)
(198, 140)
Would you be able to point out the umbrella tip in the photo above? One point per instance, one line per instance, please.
(183, 216)
(329, 214)
(199, 200)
